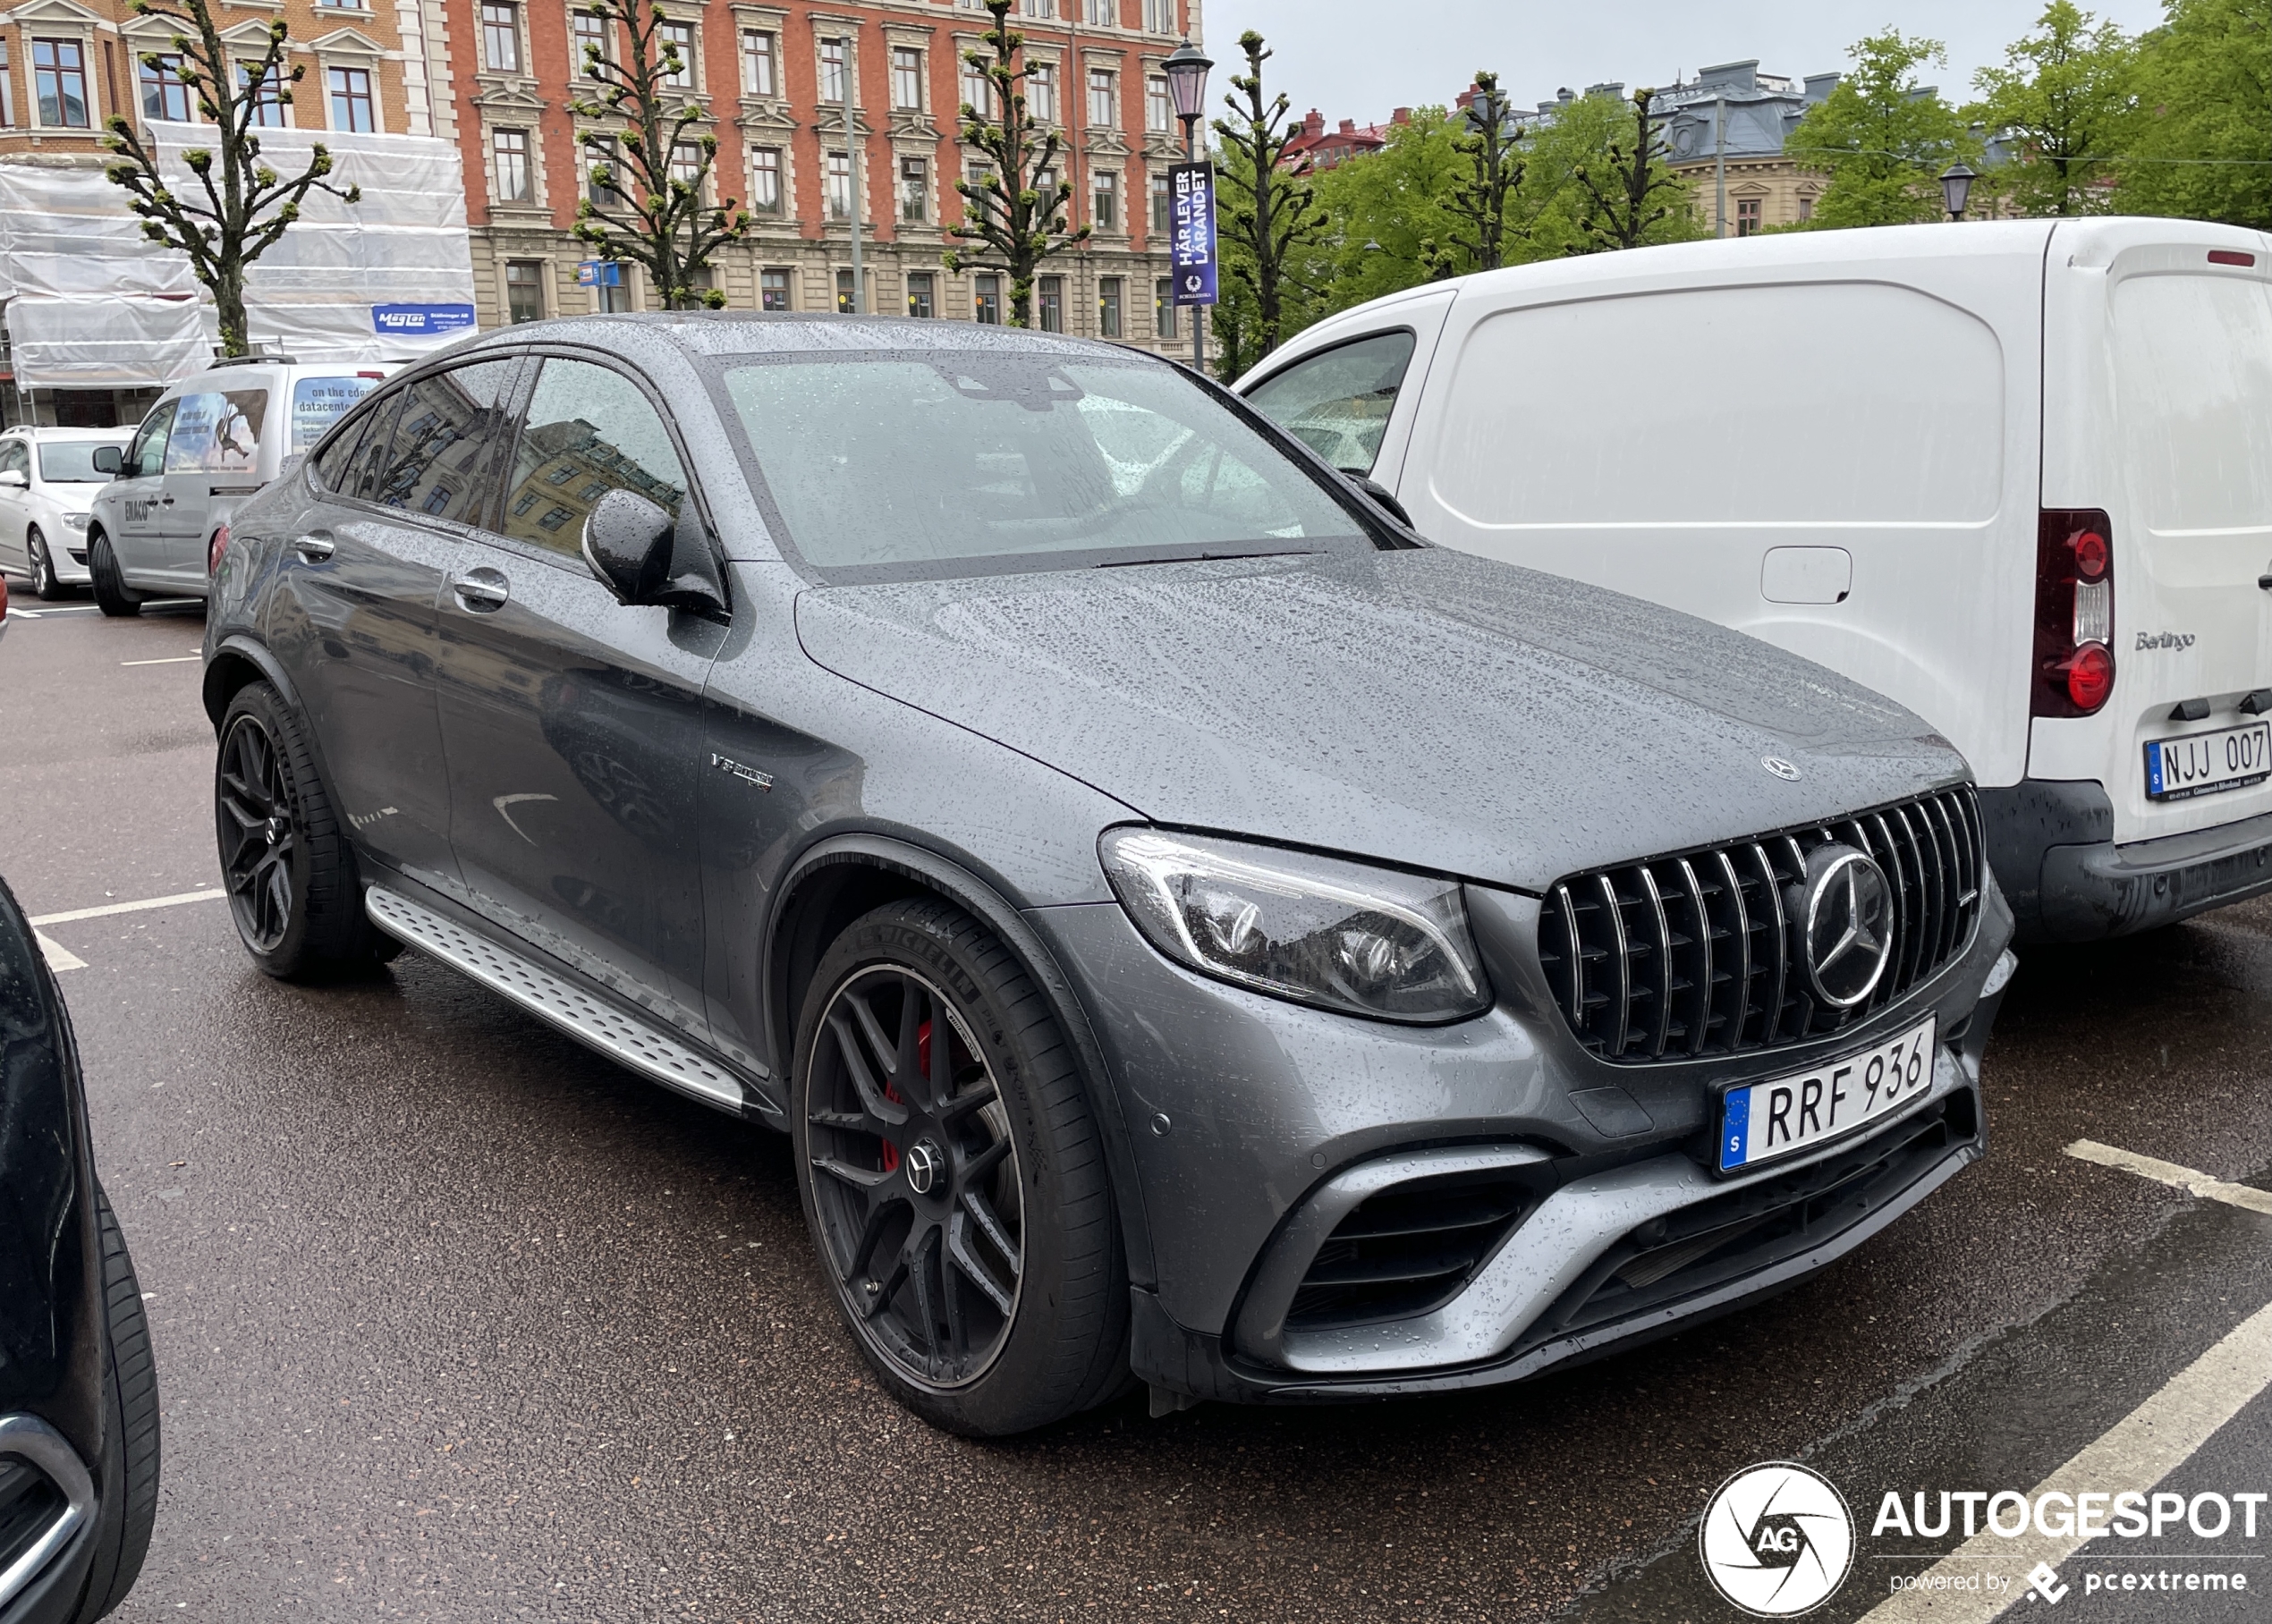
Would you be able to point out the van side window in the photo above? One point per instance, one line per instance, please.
(217, 432)
(145, 458)
(1338, 402)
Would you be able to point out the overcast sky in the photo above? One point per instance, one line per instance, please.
(1361, 58)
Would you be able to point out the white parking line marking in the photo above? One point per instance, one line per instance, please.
(2169, 1173)
(120, 908)
(59, 958)
(2137, 1452)
(179, 659)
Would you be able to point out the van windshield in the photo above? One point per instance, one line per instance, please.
(896, 465)
(71, 461)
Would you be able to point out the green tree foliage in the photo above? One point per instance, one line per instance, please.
(2203, 135)
(1269, 215)
(642, 157)
(1390, 216)
(245, 207)
(1006, 217)
(1882, 141)
(1597, 178)
(2066, 104)
(1485, 134)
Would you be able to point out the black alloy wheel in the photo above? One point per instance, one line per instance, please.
(44, 585)
(919, 1200)
(260, 848)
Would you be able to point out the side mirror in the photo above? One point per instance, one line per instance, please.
(13, 480)
(627, 543)
(1381, 499)
(109, 460)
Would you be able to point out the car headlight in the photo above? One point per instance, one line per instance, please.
(74, 521)
(1342, 935)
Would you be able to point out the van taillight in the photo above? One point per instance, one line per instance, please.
(2075, 613)
(215, 550)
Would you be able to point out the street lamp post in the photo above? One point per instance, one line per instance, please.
(1956, 186)
(1186, 68)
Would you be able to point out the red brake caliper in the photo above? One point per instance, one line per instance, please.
(922, 1064)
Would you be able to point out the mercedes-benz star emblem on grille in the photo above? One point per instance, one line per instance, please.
(1781, 768)
(1848, 922)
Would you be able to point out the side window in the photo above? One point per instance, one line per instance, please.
(367, 473)
(16, 458)
(217, 433)
(590, 431)
(335, 463)
(440, 462)
(1338, 402)
(147, 456)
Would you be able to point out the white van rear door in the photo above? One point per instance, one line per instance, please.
(2158, 412)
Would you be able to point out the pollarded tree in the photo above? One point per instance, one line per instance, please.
(1272, 214)
(246, 206)
(648, 163)
(1009, 217)
(1632, 195)
(1492, 147)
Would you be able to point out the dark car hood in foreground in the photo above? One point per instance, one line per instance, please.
(1426, 707)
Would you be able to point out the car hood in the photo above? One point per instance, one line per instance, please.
(1426, 707)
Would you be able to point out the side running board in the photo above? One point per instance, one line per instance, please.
(622, 1037)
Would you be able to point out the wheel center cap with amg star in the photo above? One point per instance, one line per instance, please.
(923, 1164)
(274, 830)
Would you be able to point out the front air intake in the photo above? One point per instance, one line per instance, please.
(1408, 1249)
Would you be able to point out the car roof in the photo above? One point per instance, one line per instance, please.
(760, 332)
(124, 431)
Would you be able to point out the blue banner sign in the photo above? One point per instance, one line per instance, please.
(1191, 254)
(419, 321)
(598, 274)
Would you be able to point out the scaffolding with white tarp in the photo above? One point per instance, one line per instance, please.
(93, 304)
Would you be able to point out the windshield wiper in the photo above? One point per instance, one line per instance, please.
(1195, 558)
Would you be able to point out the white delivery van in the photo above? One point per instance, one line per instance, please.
(2016, 475)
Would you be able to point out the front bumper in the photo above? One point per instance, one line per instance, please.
(2051, 844)
(69, 557)
(1258, 1126)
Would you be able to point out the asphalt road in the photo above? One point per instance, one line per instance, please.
(455, 1321)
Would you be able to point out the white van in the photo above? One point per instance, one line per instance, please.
(2016, 475)
(209, 442)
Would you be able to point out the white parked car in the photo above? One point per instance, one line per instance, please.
(48, 478)
(2015, 475)
(209, 442)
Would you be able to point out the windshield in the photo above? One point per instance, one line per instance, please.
(978, 462)
(71, 463)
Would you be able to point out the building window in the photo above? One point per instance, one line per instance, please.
(1103, 13)
(1108, 307)
(675, 39)
(59, 82)
(351, 99)
(500, 36)
(7, 90)
(1104, 201)
(773, 289)
(764, 180)
(1039, 8)
(1159, 110)
(603, 158)
(1806, 208)
(164, 95)
(267, 105)
(554, 518)
(915, 190)
(1163, 203)
(686, 163)
(977, 89)
(844, 294)
(1100, 96)
(840, 186)
(988, 300)
(907, 78)
(524, 291)
(1053, 303)
(921, 291)
(1163, 308)
(1747, 215)
(593, 40)
(1159, 16)
(761, 63)
(511, 147)
(1041, 92)
(832, 71)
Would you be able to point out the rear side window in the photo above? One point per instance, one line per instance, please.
(2193, 399)
(1338, 402)
(319, 403)
(366, 474)
(1856, 403)
(450, 424)
(590, 430)
(217, 432)
(146, 457)
(335, 463)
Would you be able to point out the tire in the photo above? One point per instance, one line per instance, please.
(112, 593)
(285, 857)
(971, 1244)
(45, 586)
(129, 1393)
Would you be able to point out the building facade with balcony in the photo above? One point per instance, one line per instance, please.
(769, 77)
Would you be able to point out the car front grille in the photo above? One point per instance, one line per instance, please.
(1408, 1249)
(1698, 953)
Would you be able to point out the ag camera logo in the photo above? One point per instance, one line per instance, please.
(1778, 1540)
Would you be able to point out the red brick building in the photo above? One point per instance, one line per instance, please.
(768, 76)
(1318, 147)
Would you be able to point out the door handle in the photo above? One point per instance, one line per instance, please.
(481, 591)
(165, 502)
(314, 547)
(2265, 581)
